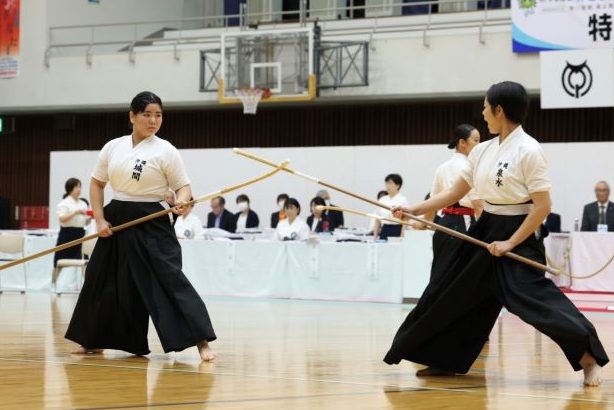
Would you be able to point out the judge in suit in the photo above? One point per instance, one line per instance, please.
(317, 221)
(335, 217)
(553, 223)
(281, 214)
(600, 212)
(5, 213)
(219, 217)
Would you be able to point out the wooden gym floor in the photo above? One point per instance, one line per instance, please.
(284, 354)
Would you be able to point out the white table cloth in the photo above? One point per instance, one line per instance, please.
(588, 252)
(327, 270)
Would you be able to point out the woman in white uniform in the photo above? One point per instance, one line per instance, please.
(460, 215)
(72, 215)
(136, 273)
(292, 228)
(188, 225)
(386, 229)
(448, 328)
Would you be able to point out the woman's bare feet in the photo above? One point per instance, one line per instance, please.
(592, 371)
(432, 371)
(83, 350)
(206, 354)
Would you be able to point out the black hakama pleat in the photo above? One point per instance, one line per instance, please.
(66, 235)
(450, 324)
(445, 247)
(132, 275)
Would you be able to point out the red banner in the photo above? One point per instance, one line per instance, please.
(9, 38)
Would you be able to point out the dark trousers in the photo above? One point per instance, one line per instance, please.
(449, 326)
(68, 234)
(133, 275)
(445, 246)
(389, 231)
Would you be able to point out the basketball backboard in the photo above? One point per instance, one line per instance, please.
(277, 60)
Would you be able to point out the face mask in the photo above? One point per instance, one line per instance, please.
(327, 202)
(281, 204)
(242, 206)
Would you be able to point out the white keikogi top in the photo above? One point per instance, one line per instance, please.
(67, 206)
(189, 227)
(286, 230)
(504, 175)
(397, 200)
(142, 173)
(447, 173)
(241, 223)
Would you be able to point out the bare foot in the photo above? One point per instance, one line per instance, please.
(432, 371)
(83, 350)
(592, 371)
(206, 354)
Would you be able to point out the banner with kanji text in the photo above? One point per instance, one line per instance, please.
(541, 25)
(9, 38)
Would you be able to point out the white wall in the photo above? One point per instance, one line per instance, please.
(117, 12)
(574, 168)
(455, 64)
(73, 12)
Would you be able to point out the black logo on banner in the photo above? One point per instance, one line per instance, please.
(577, 79)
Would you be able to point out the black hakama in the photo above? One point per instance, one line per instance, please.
(451, 322)
(66, 235)
(132, 275)
(445, 246)
(390, 231)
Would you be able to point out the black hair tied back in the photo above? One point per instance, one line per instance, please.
(462, 132)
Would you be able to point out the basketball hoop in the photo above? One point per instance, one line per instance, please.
(250, 97)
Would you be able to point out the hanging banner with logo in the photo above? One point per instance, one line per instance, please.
(9, 38)
(540, 25)
(577, 78)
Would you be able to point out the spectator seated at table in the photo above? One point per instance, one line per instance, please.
(188, 225)
(292, 227)
(553, 223)
(335, 218)
(246, 218)
(600, 212)
(279, 215)
(219, 217)
(318, 221)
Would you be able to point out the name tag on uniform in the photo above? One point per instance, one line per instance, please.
(602, 228)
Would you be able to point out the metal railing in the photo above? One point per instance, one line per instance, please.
(126, 37)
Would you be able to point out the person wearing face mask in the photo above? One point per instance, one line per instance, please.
(281, 214)
(335, 217)
(246, 218)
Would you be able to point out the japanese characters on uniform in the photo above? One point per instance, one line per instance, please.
(502, 165)
(508, 172)
(143, 172)
(138, 168)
